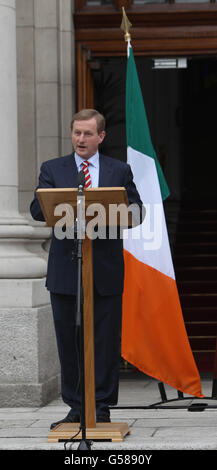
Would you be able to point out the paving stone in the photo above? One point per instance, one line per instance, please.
(5, 424)
(151, 428)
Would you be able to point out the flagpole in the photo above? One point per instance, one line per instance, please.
(125, 26)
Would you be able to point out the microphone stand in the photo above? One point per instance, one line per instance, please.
(84, 443)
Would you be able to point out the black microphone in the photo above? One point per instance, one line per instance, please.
(81, 180)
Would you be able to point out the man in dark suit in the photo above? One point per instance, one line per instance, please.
(88, 131)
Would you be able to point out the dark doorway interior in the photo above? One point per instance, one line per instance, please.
(200, 136)
(181, 109)
(109, 81)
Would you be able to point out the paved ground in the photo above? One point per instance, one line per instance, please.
(162, 429)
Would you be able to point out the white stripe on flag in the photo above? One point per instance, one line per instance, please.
(152, 250)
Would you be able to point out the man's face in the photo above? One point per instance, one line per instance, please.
(85, 138)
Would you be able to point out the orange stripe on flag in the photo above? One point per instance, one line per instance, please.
(154, 337)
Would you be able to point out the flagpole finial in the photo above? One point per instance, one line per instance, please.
(125, 25)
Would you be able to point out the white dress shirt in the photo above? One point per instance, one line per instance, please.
(93, 168)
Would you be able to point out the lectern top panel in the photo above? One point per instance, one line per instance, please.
(50, 198)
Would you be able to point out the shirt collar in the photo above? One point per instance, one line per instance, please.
(94, 160)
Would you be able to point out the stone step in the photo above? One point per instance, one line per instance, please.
(196, 248)
(195, 263)
(196, 259)
(194, 300)
(198, 236)
(200, 313)
(204, 360)
(197, 225)
(195, 273)
(197, 287)
(198, 214)
(201, 328)
(203, 342)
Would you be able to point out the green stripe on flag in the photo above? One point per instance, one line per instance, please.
(137, 128)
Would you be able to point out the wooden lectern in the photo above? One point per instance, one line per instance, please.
(49, 198)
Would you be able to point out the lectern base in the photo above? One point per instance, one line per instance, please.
(103, 431)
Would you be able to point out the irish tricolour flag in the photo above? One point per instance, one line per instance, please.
(154, 337)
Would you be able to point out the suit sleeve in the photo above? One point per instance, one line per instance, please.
(138, 210)
(45, 181)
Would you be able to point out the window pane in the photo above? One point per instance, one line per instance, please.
(192, 1)
(99, 2)
(142, 2)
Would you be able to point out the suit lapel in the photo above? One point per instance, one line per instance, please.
(105, 172)
(70, 171)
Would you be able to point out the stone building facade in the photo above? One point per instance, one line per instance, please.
(36, 105)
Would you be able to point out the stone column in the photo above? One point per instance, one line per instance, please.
(29, 366)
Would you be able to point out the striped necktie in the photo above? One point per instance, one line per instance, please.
(87, 174)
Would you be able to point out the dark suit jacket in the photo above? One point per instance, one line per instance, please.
(108, 264)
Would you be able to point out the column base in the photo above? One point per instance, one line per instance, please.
(29, 366)
(23, 293)
(29, 395)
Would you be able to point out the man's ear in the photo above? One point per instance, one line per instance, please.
(102, 136)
